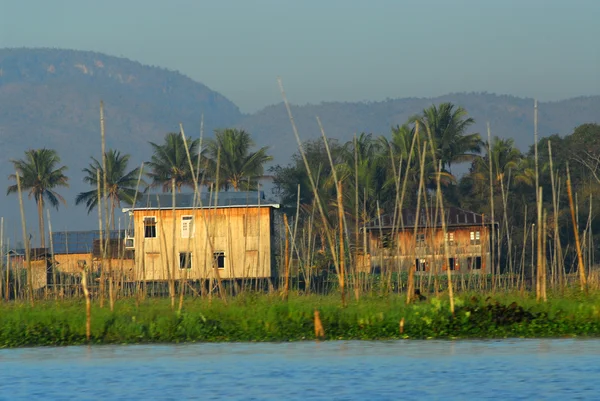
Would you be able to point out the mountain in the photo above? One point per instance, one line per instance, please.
(50, 98)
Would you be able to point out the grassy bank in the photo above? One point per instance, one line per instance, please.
(268, 318)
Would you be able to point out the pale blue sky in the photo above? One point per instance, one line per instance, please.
(333, 50)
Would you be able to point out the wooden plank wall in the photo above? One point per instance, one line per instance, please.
(242, 234)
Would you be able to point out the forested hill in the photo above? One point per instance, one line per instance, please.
(509, 117)
(50, 98)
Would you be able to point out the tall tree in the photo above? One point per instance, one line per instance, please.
(239, 167)
(39, 173)
(365, 163)
(286, 179)
(169, 161)
(121, 185)
(448, 127)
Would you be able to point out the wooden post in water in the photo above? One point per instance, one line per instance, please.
(319, 331)
(88, 303)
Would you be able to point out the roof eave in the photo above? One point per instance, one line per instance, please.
(133, 209)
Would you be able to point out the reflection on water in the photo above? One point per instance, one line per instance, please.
(506, 369)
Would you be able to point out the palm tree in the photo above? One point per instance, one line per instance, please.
(170, 161)
(121, 186)
(238, 166)
(38, 172)
(364, 163)
(447, 125)
(505, 158)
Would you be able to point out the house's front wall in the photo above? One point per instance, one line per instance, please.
(241, 235)
(429, 246)
(69, 263)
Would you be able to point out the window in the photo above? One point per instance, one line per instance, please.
(452, 264)
(150, 227)
(450, 239)
(475, 238)
(420, 265)
(420, 239)
(219, 258)
(187, 228)
(129, 243)
(185, 260)
(474, 263)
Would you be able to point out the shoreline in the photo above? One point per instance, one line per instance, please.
(253, 318)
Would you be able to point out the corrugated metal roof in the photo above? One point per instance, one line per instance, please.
(454, 217)
(68, 242)
(221, 199)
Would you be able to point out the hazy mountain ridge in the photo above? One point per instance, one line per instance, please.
(50, 98)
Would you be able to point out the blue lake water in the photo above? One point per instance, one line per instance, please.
(474, 370)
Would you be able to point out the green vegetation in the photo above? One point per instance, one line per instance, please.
(40, 175)
(232, 162)
(331, 193)
(121, 185)
(268, 318)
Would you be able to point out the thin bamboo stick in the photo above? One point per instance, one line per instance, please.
(540, 228)
(25, 241)
(581, 266)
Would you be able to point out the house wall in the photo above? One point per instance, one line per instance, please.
(243, 235)
(69, 263)
(386, 250)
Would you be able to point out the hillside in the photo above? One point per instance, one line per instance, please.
(509, 117)
(50, 98)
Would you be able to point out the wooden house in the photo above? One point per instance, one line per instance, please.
(41, 265)
(74, 248)
(229, 235)
(400, 242)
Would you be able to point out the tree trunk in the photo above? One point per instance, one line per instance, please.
(40, 207)
(112, 212)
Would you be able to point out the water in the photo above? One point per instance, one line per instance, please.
(506, 369)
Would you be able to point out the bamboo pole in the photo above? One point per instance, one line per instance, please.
(2, 255)
(287, 257)
(493, 229)
(440, 201)
(88, 306)
(555, 217)
(543, 274)
(7, 295)
(356, 227)
(540, 228)
(25, 241)
(101, 239)
(341, 233)
(411, 274)
(106, 251)
(52, 254)
(174, 244)
(581, 267)
(312, 182)
(525, 235)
